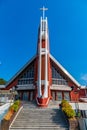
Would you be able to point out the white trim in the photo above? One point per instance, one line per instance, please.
(83, 87)
(20, 70)
(61, 87)
(43, 82)
(39, 61)
(46, 65)
(26, 87)
(64, 70)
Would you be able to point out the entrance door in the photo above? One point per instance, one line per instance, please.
(59, 96)
(25, 96)
(66, 96)
(31, 95)
(53, 95)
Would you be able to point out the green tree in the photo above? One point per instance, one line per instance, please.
(2, 81)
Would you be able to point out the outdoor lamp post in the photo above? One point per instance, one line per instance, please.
(12, 91)
(15, 92)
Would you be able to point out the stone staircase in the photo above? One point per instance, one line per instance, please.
(33, 118)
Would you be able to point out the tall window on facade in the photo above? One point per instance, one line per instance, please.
(66, 96)
(27, 77)
(57, 78)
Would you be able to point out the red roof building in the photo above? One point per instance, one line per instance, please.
(43, 78)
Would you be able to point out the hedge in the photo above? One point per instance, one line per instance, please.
(13, 108)
(67, 109)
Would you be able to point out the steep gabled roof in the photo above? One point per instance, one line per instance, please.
(55, 61)
(21, 70)
(64, 70)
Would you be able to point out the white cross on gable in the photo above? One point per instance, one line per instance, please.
(43, 9)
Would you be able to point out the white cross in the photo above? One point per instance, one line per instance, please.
(43, 9)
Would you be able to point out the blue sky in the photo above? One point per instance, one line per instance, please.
(19, 21)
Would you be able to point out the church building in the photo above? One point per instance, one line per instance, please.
(43, 78)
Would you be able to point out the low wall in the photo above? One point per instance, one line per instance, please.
(73, 124)
(83, 124)
(79, 105)
(5, 124)
(2, 110)
(4, 107)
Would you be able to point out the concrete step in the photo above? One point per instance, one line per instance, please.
(37, 124)
(40, 121)
(36, 128)
(25, 127)
(33, 118)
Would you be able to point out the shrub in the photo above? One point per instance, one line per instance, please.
(66, 105)
(69, 112)
(67, 109)
(17, 102)
(64, 101)
(16, 107)
(13, 108)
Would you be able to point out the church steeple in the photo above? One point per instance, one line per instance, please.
(43, 57)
